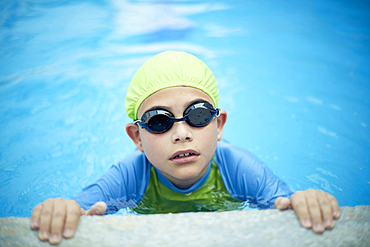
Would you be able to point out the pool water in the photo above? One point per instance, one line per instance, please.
(294, 78)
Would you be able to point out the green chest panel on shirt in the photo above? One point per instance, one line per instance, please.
(212, 196)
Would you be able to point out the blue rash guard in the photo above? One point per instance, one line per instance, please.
(234, 176)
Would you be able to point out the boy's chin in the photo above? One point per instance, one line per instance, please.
(186, 179)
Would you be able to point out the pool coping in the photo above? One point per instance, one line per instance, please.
(231, 228)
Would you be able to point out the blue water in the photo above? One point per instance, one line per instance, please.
(294, 78)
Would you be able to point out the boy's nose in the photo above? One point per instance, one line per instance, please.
(181, 132)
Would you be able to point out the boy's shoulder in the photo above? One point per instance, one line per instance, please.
(134, 163)
(245, 175)
(233, 154)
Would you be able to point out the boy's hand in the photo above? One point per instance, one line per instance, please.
(315, 209)
(56, 217)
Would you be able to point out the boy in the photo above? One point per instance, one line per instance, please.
(181, 165)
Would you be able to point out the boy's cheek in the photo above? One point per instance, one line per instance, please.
(152, 145)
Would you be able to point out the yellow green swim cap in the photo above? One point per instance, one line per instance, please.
(169, 69)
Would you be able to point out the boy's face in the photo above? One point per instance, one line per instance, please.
(162, 149)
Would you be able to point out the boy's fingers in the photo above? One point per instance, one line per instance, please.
(98, 208)
(35, 218)
(282, 203)
(299, 205)
(82, 212)
(334, 206)
(277, 202)
(73, 215)
(314, 209)
(326, 210)
(45, 220)
(57, 221)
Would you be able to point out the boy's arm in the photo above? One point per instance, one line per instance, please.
(246, 177)
(315, 209)
(58, 217)
(121, 185)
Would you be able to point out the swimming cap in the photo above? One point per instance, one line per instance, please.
(169, 69)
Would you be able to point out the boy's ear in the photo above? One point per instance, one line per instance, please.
(133, 132)
(221, 120)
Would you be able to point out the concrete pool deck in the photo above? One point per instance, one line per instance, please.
(232, 228)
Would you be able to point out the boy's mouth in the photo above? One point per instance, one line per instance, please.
(184, 154)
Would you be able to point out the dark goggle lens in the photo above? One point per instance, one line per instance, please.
(199, 116)
(159, 123)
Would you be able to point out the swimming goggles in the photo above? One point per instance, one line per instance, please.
(158, 121)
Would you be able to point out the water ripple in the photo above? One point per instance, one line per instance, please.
(327, 132)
